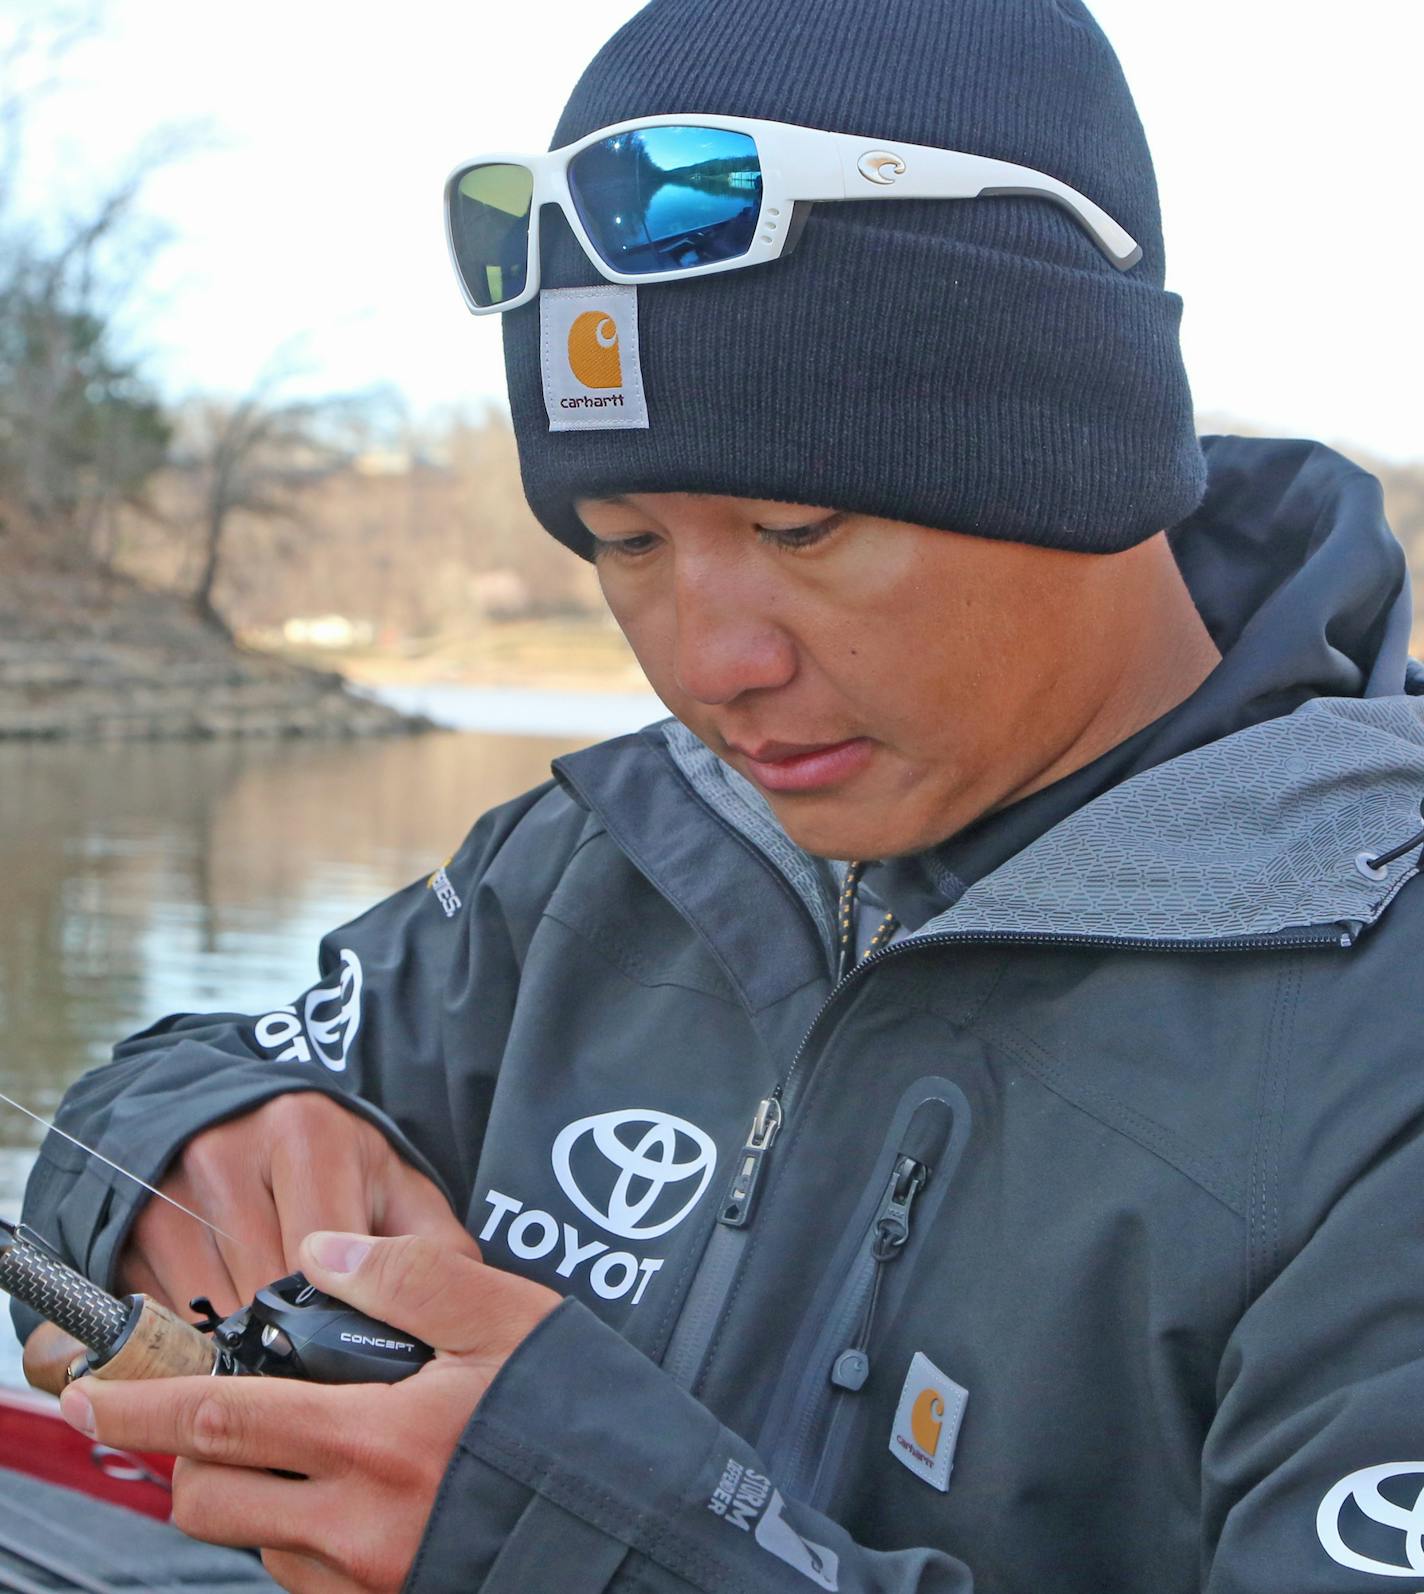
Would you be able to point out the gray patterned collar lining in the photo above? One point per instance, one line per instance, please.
(1253, 834)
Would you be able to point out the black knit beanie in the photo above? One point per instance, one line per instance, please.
(976, 365)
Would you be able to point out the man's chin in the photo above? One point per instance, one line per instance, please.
(828, 827)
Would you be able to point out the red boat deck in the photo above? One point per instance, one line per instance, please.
(36, 1440)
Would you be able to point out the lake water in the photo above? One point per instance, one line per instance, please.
(145, 879)
(525, 711)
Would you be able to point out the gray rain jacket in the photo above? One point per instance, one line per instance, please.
(1073, 1244)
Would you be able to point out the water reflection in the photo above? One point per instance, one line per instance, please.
(668, 197)
(146, 879)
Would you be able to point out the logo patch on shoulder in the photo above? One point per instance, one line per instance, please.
(445, 892)
(1378, 1510)
(927, 1422)
(328, 1025)
(588, 351)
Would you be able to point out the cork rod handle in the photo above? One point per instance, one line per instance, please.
(160, 1345)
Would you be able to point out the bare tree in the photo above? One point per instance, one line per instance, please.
(81, 430)
(259, 454)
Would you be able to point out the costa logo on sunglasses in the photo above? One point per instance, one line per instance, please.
(880, 166)
(593, 350)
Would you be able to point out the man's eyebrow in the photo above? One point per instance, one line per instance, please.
(623, 500)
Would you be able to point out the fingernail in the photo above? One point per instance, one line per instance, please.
(338, 1253)
(76, 1410)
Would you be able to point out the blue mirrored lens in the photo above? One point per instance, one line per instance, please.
(666, 198)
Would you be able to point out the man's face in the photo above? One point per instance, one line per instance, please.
(882, 683)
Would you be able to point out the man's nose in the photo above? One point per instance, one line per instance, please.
(726, 642)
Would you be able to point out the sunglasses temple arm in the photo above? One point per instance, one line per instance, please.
(949, 174)
(1115, 242)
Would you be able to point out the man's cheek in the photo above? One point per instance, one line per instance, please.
(651, 635)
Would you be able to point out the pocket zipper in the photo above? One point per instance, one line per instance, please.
(888, 1236)
(838, 1365)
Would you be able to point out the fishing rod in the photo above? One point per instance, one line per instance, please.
(291, 1329)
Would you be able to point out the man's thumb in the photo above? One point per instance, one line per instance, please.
(408, 1282)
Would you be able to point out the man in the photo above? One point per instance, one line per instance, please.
(960, 1072)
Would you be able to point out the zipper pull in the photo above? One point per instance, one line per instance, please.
(889, 1234)
(892, 1222)
(736, 1210)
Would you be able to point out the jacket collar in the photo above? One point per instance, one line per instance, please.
(1252, 835)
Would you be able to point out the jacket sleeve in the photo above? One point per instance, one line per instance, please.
(586, 1468)
(371, 1033)
(1312, 1473)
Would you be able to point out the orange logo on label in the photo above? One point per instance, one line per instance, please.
(593, 350)
(927, 1419)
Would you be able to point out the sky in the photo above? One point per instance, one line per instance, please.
(1285, 133)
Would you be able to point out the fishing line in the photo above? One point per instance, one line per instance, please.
(90, 1151)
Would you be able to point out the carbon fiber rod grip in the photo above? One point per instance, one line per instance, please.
(59, 1294)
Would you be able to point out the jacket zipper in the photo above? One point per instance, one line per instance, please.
(717, 1271)
(716, 1274)
(737, 1205)
(831, 1375)
(889, 1235)
(838, 1362)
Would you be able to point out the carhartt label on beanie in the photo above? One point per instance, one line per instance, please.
(971, 364)
(588, 351)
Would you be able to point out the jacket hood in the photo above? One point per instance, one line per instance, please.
(1297, 576)
(1252, 832)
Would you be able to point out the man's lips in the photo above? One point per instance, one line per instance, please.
(805, 766)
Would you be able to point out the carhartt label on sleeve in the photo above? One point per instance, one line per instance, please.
(588, 341)
(927, 1422)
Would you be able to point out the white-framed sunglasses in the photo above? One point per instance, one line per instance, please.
(659, 198)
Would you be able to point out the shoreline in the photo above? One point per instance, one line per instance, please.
(86, 655)
(574, 654)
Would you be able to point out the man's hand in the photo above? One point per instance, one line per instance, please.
(371, 1455)
(301, 1162)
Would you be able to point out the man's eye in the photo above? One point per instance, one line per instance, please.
(624, 547)
(795, 538)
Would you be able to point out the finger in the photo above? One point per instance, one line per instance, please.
(262, 1260)
(421, 1287)
(413, 1205)
(366, 1547)
(138, 1278)
(193, 1267)
(48, 1353)
(234, 1422)
(241, 1508)
(181, 1258)
(304, 1574)
(259, 1258)
(222, 1187)
(315, 1191)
